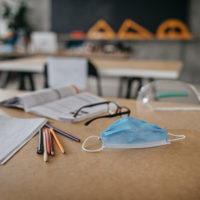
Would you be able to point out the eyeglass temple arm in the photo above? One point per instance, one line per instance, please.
(107, 116)
(88, 106)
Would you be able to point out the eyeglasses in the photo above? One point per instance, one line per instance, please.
(112, 108)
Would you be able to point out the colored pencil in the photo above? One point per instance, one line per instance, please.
(51, 143)
(57, 140)
(63, 133)
(48, 141)
(45, 148)
(40, 147)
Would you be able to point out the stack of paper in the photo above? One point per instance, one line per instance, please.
(14, 133)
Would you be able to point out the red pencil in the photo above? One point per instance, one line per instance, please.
(48, 141)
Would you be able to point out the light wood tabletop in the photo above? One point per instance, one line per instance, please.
(165, 172)
(33, 64)
(138, 68)
(106, 66)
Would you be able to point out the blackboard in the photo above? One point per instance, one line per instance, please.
(69, 15)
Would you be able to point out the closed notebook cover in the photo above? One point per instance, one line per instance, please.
(15, 132)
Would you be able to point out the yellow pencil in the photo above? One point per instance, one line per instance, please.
(57, 140)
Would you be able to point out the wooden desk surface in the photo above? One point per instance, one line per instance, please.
(106, 66)
(138, 68)
(26, 64)
(164, 65)
(67, 53)
(166, 172)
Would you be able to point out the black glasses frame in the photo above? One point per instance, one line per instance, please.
(118, 111)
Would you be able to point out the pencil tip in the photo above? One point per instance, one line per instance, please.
(63, 151)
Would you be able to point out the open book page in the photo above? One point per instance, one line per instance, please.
(12, 102)
(40, 97)
(63, 109)
(44, 96)
(15, 132)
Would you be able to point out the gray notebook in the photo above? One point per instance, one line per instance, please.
(15, 132)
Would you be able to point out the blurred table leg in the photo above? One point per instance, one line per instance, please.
(4, 79)
(22, 84)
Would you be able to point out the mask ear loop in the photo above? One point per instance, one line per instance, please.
(179, 137)
(95, 150)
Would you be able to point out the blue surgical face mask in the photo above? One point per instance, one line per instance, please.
(130, 132)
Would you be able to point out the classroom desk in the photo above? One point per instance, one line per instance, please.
(120, 68)
(107, 67)
(24, 67)
(130, 70)
(34, 64)
(158, 69)
(166, 172)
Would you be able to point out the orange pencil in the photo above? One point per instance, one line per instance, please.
(57, 140)
(48, 141)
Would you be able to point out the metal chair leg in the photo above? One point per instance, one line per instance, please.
(139, 87)
(99, 87)
(30, 77)
(4, 79)
(129, 86)
(21, 81)
(22, 85)
(122, 79)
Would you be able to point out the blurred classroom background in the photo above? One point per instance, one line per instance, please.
(120, 39)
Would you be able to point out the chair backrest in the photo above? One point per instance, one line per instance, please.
(44, 42)
(62, 71)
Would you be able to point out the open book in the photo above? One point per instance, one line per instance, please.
(57, 103)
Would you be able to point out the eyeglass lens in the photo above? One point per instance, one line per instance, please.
(112, 108)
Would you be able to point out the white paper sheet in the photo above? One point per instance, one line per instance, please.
(66, 71)
(15, 132)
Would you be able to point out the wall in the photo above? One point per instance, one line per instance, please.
(81, 15)
(194, 19)
(188, 51)
(39, 13)
(191, 71)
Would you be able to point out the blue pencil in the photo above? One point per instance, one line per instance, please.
(62, 133)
